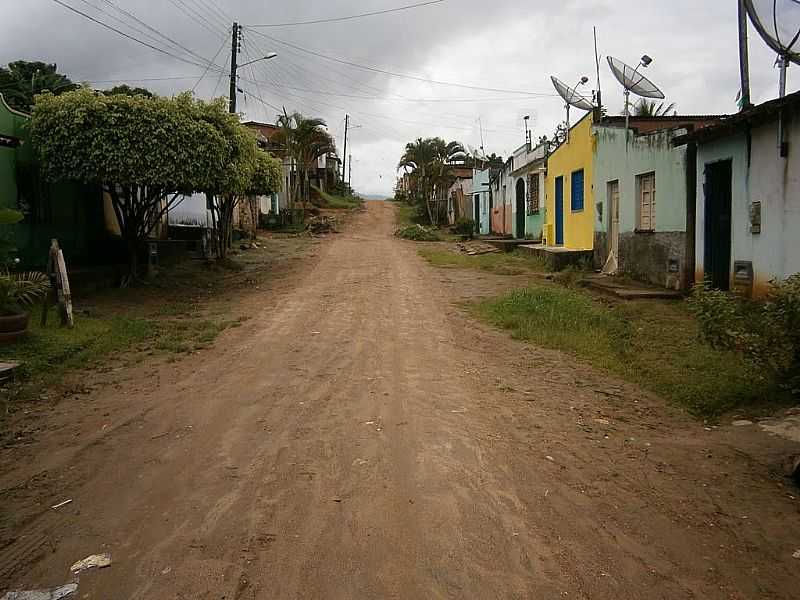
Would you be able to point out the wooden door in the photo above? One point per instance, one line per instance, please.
(613, 218)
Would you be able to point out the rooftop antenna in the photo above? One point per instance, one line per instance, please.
(633, 81)
(599, 96)
(778, 23)
(572, 97)
(525, 119)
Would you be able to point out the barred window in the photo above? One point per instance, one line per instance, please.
(534, 196)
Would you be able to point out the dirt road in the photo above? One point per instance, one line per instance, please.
(361, 438)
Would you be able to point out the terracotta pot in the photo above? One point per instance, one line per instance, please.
(13, 327)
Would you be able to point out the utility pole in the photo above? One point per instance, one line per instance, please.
(234, 53)
(344, 154)
(349, 170)
(744, 60)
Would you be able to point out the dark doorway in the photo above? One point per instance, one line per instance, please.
(719, 177)
(477, 203)
(520, 207)
(559, 202)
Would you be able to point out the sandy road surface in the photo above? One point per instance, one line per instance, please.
(361, 438)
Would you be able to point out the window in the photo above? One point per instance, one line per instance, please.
(534, 196)
(646, 209)
(576, 191)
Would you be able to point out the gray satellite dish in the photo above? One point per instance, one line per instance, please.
(632, 80)
(778, 22)
(572, 97)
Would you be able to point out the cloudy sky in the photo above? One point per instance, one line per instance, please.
(500, 53)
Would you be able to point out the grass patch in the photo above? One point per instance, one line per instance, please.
(50, 351)
(501, 263)
(653, 344)
(418, 233)
(407, 215)
(338, 202)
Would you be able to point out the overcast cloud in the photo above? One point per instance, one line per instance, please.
(503, 44)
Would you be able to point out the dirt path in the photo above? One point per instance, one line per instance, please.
(361, 438)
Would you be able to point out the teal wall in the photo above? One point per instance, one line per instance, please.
(616, 160)
(68, 211)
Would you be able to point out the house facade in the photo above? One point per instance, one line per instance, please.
(526, 185)
(459, 195)
(747, 214)
(481, 209)
(643, 187)
(569, 201)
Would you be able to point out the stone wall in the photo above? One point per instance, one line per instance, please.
(657, 258)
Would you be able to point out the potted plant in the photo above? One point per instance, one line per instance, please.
(18, 291)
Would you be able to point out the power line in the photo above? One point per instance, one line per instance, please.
(198, 17)
(350, 17)
(213, 60)
(400, 75)
(130, 15)
(126, 35)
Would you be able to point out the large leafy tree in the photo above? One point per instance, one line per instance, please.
(243, 170)
(127, 90)
(305, 140)
(21, 80)
(144, 152)
(428, 163)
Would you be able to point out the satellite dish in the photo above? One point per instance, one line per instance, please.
(778, 22)
(632, 80)
(572, 96)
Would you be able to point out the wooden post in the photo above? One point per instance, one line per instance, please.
(65, 294)
(59, 291)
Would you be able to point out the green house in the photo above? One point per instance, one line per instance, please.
(70, 212)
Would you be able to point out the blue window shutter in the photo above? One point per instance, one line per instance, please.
(576, 191)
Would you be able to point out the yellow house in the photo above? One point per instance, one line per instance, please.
(569, 220)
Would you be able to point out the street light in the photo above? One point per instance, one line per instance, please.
(267, 57)
(235, 69)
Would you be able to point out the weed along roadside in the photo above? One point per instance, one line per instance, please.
(656, 344)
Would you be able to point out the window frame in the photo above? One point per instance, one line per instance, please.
(572, 199)
(651, 225)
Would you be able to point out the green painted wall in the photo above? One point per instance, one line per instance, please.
(68, 211)
(614, 160)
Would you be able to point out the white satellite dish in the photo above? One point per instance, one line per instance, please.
(572, 96)
(778, 23)
(633, 81)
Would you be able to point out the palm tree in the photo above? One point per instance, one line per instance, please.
(648, 108)
(428, 162)
(304, 141)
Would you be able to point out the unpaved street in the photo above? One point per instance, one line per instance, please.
(361, 437)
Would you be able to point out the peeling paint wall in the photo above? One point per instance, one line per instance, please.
(770, 179)
(656, 256)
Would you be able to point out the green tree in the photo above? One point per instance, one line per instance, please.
(21, 80)
(305, 140)
(243, 170)
(649, 108)
(144, 152)
(428, 163)
(127, 90)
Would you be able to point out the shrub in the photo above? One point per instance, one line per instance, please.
(766, 334)
(465, 228)
(417, 233)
